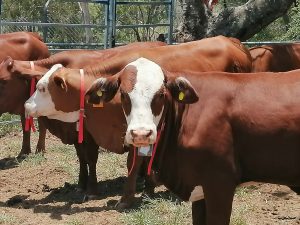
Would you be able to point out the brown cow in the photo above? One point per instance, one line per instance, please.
(87, 152)
(58, 92)
(21, 46)
(238, 128)
(275, 58)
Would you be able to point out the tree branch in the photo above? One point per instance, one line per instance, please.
(244, 21)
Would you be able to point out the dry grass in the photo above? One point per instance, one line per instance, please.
(60, 166)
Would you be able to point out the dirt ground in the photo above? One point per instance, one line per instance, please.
(42, 190)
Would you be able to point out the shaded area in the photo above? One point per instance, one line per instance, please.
(70, 197)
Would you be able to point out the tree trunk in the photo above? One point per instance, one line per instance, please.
(86, 20)
(194, 20)
(241, 22)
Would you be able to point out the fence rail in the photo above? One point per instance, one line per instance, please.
(94, 24)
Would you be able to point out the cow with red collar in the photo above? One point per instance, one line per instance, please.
(275, 58)
(13, 91)
(87, 151)
(218, 130)
(58, 92)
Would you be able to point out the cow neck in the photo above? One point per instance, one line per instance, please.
(29, 124)
(166, 163)
(81, 109)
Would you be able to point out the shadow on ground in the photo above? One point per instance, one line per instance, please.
(68, 198)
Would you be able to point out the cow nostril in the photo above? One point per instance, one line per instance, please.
(140, 133)
(133, 133)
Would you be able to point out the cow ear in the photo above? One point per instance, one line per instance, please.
(181, 90)
(60, 82)
(103, 90)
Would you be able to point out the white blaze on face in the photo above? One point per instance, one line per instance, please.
(149, 80)
(41, 104)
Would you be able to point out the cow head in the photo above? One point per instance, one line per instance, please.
(14, 85)
(145, 89)
(55, 96)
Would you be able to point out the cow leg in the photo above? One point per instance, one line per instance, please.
(130, 186)
(40, 147)
(150, 182)
(198, 212)
(218, 201)
(83, 169)
(26, 139)
(91, 154)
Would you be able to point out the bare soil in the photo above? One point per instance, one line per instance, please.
(42, 190)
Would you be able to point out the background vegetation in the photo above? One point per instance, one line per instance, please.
(71, 12)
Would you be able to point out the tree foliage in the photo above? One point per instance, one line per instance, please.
(223, 16)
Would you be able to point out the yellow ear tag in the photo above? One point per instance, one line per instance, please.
(181, 96)
(99, 93)
(100, 105)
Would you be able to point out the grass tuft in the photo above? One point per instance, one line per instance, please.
(6, 129)
(7, 219)
(74, 222)
(33, 160)
(159, 212)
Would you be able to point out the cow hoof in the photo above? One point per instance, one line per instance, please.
(79, 189)
(21, 157)
(148, 194)
(87, 198)
(123, 205)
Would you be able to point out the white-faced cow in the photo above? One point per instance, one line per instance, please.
(218, 130)
(58, 94)
(21, 73)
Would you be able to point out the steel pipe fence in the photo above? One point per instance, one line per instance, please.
(66, 24)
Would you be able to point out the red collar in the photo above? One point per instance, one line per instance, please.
(29, 119)
(155, 147)
(81, 110)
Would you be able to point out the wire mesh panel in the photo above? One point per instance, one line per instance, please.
(62, 23)
(68, 24)
(143, 21)
(72, 14)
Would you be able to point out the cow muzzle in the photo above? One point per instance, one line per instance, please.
(142, 137)
(30, 109)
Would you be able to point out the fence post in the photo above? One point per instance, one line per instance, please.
(45, 20)
(171, 19)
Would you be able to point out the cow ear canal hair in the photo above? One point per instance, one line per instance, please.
(182, 91)
(102, 90)
(60, 82)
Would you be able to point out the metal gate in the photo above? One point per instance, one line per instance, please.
(69, 24)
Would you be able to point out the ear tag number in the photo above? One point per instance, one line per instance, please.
(99, 93)
(181, 96)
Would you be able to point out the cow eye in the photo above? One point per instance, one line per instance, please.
(41, 88)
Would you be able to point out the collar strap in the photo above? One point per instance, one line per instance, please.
(81, 110)
(155, 147)
(153, 153)
(29, 120)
